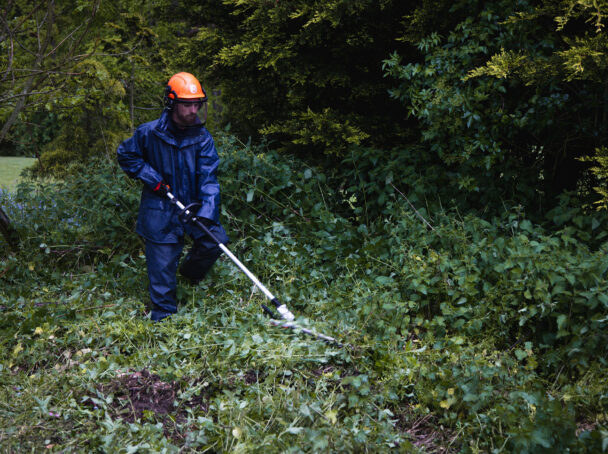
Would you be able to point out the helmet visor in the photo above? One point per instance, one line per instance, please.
(201, 106)
(202, 112)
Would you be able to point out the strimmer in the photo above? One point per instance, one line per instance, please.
(187, 215)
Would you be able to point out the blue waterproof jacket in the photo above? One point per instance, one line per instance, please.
(187, 161)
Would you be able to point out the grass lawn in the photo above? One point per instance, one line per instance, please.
(10, 169)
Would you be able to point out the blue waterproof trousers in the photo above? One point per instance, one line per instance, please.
(162, 261)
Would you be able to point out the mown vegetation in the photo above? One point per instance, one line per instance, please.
(425, 182)
(10, 170)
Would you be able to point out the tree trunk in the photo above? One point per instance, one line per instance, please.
(7, 230)
(131, 95)
(30, 80)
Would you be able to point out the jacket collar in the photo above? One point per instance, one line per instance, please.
(168, 131)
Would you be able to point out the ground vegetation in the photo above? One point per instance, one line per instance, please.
(424, 181)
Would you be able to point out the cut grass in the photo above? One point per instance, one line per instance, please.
(10, 170)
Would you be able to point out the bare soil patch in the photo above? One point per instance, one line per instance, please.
(143, 395)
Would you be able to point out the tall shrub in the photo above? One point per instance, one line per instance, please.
(508, 94)
(306, 73)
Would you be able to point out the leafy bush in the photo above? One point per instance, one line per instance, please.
(88, 216)
(509, 279)
(493, 97)
(307, 74)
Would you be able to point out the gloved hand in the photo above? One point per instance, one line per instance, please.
(205, 221)
(161, 189)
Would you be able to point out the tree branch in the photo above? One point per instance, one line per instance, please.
(38, 75)
(20, 95)
(415, 210)
(30, 81)
(62, 41)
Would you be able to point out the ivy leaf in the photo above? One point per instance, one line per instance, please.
(384, 280)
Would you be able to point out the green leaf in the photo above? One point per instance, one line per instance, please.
(562, 319)
(305, 411)
(542, 436)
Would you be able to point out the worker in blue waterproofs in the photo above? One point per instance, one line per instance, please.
(176, 154)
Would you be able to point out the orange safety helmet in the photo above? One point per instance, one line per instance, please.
(183, 86)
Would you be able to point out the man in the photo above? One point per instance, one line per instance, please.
(176, 154)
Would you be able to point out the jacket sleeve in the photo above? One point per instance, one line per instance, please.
(207, 184)
(130, 155)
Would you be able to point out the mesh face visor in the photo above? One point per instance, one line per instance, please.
(201, 105)
(202, 111)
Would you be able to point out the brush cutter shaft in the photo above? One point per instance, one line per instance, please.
(238, 263)
(281, 308)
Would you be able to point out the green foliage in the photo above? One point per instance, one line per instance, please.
(601, 172)
(524, 286)
(305, 73)
(322, 130)
(464, 270)
(88, 107)
(87, 218)
(373, 178)
(576, 62)
(28, 137)
(499, 94)
(481, 336)
(507, 276)
(44, 41)
(89, 119)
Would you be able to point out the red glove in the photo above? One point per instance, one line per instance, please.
(161, 189)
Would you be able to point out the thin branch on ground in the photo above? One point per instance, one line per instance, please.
(415, 210)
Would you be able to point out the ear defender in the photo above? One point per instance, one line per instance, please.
(168, 99)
